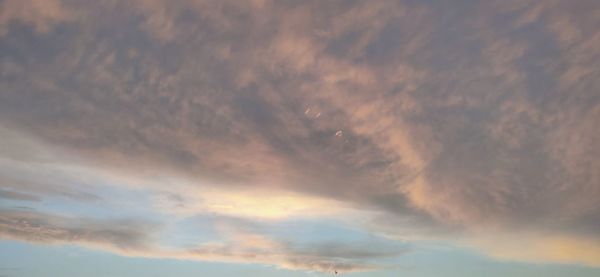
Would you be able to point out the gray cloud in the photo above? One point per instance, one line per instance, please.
(445, 117)
(8, 194)
(342, 257)
(32, 226)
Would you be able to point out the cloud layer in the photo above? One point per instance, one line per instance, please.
(469, 123)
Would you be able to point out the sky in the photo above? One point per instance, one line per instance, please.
(299, 138)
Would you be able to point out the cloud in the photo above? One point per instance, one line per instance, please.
(31, 171)
(241, 218)
(116, 235)
(8, 194)
(132, 237)
(39, 13)
(441, 118)
(325, 257)
(271, 205)
(247, 246)
(541, 248)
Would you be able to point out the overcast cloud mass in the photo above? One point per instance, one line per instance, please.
(312, 136)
